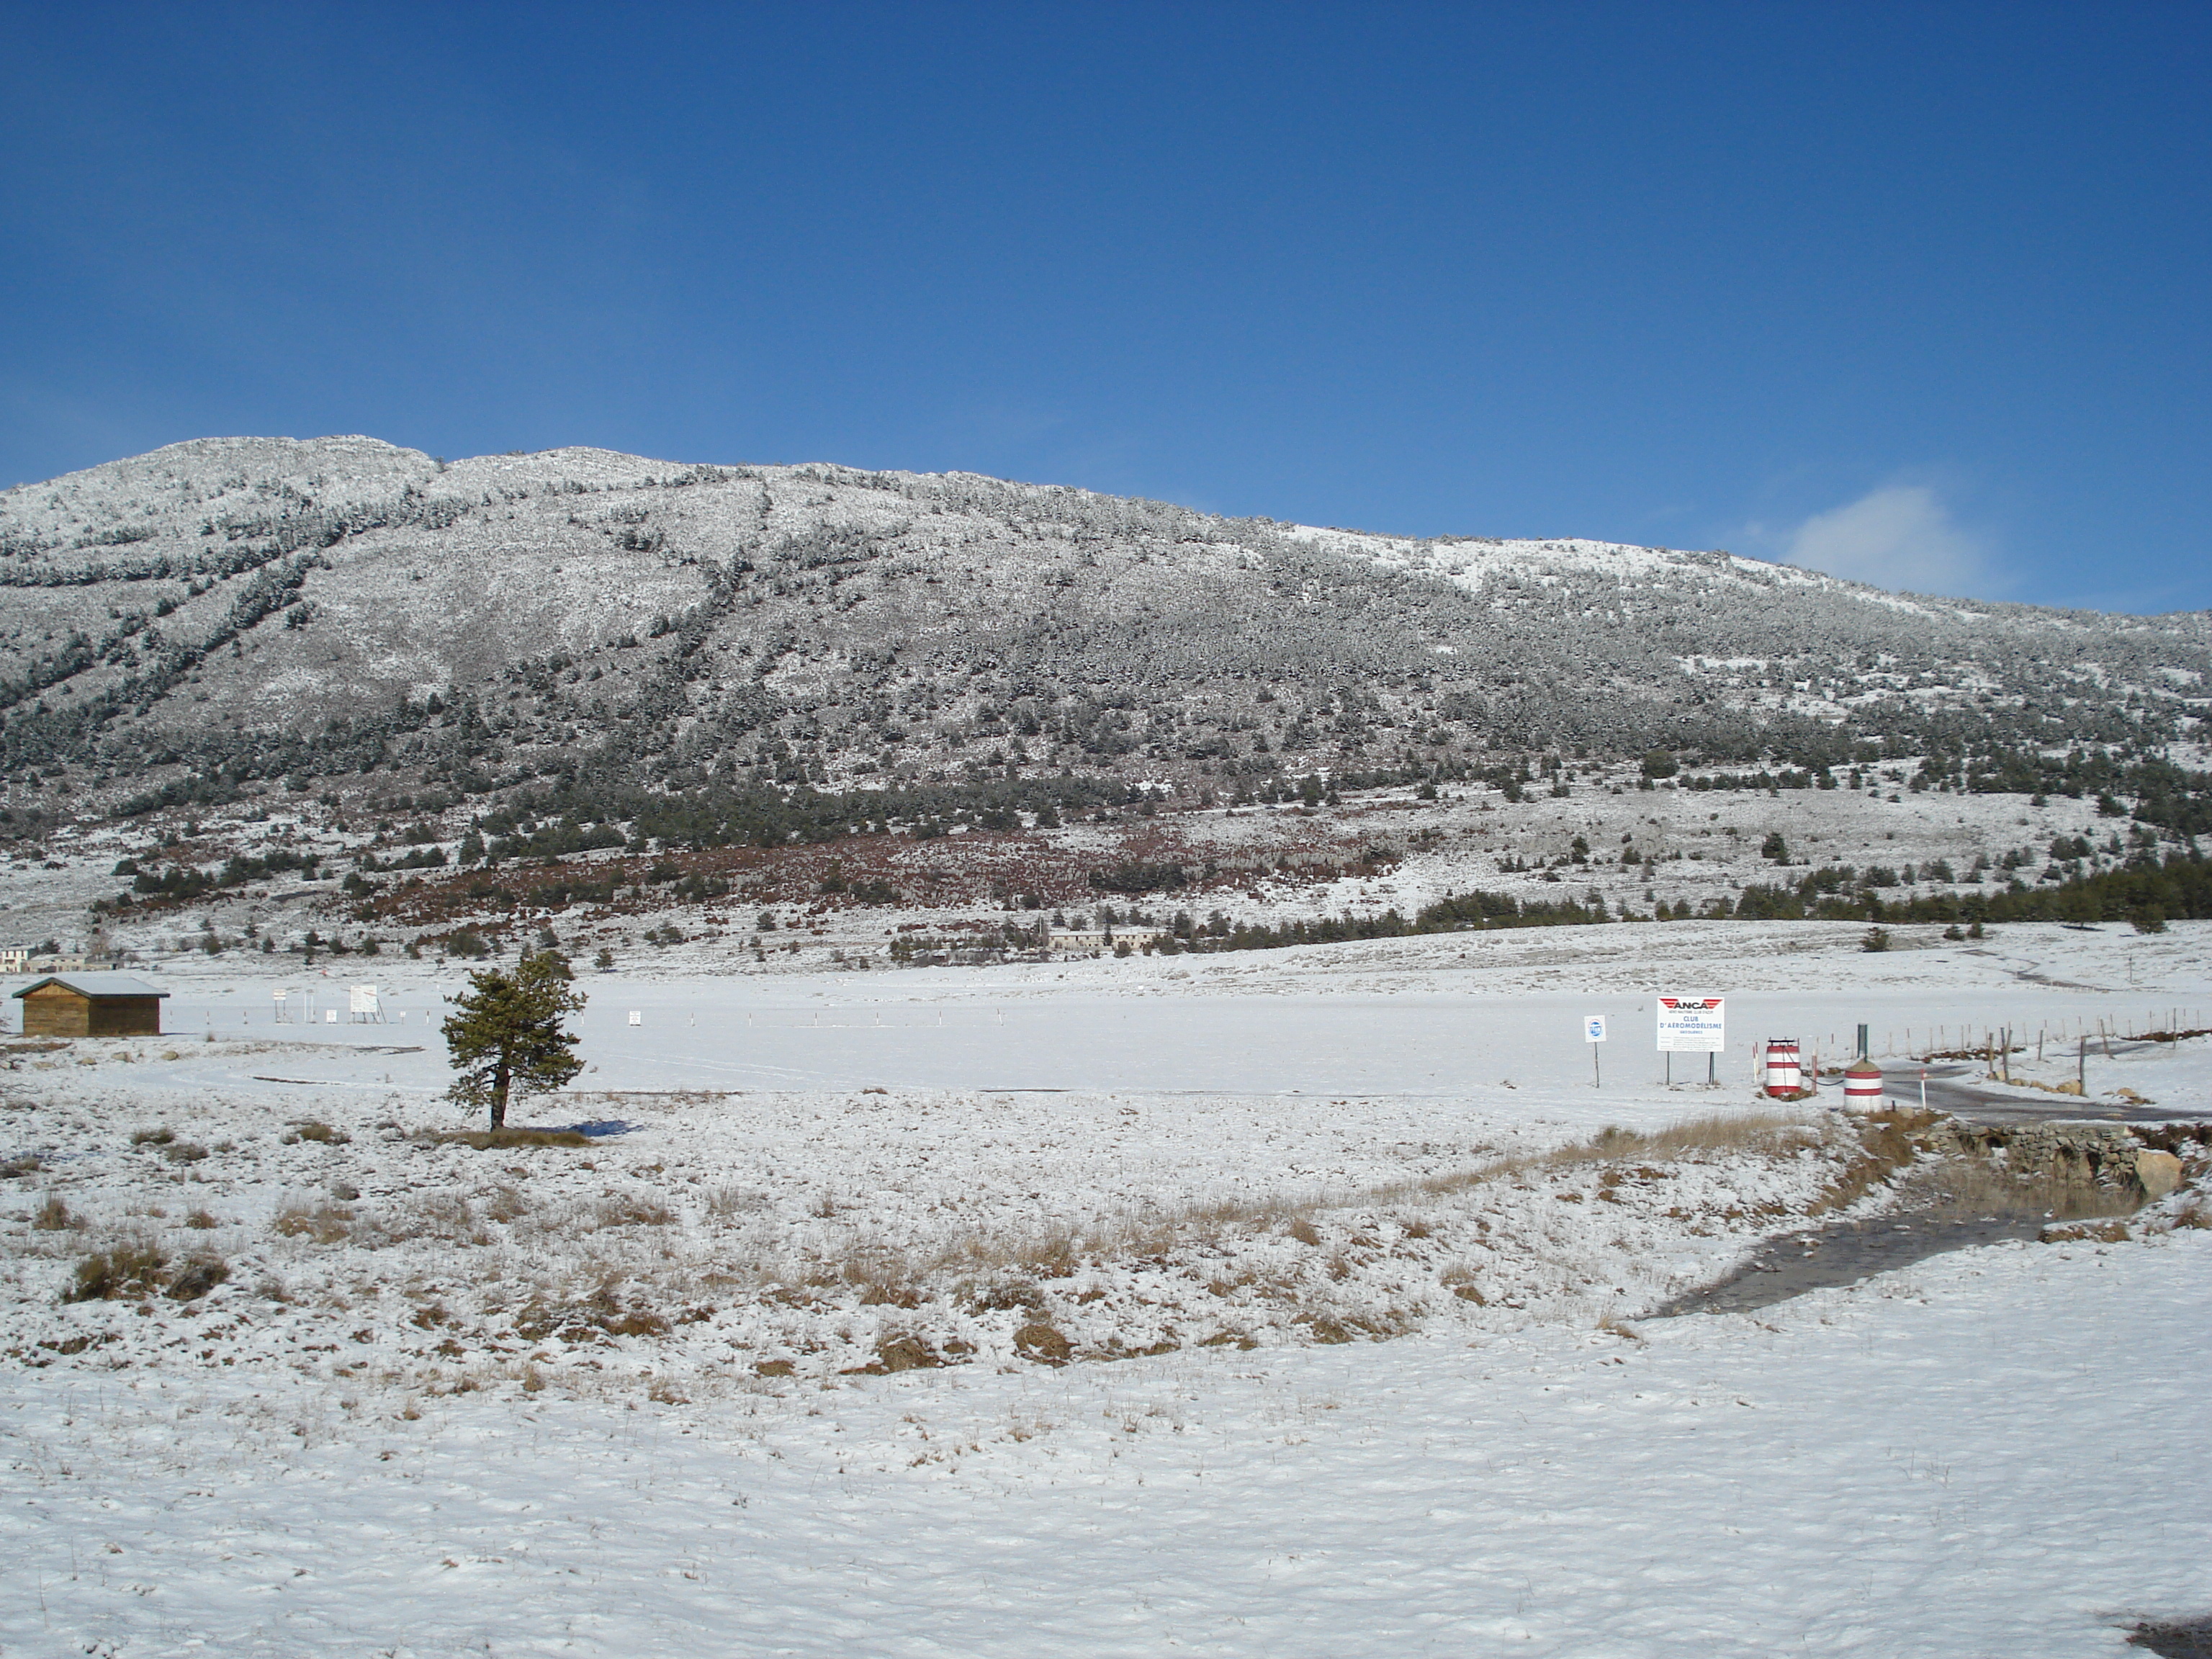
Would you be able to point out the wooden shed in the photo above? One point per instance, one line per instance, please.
(91, 1004)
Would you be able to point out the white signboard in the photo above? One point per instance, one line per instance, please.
(636, 1017)
(1593, 1028)
(362, 999)
(1692, 1025)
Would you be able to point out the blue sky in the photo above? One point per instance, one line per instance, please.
(1914, 293)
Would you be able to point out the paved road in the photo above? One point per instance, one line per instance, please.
(1950, 1090)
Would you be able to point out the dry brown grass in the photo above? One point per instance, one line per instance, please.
(1754, 1134)
(124, 1270)
(134, 1268)
(1008, 1293)
(1888, 1142)
(987, 1257)
(1043, 1343)
(881, 1295)
(197, 1276)
(2195, 1214)
(485, 1140)
(447, 1215)
(1016, 1274)
(725, 1204)
(601, 1314)
(628, 1210)
(505, 1205)
(53, 1216)
(611, 1098)
(322, 1224)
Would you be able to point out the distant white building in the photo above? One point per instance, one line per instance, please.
(14, 961)
(1097, 941)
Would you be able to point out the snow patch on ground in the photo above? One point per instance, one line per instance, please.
(1986, 1455)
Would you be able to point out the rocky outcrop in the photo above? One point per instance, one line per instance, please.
(2152, 1159)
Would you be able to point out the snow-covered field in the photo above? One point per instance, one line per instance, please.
(770, 1366)
(1991, 1456)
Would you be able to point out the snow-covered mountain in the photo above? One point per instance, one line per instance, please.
(266, 607)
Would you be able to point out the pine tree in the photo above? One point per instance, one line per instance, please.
(506, 1032)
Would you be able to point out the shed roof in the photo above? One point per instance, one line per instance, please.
(97, 985)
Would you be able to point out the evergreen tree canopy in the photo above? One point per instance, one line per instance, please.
(506, 1032)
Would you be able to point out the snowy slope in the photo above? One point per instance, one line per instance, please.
(896, 623)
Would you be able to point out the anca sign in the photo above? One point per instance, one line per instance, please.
(1692, 1025)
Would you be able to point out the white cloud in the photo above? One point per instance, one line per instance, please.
(1901, 536)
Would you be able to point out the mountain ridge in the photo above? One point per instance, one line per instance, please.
(258, 607)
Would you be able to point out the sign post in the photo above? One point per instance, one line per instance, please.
(1695, 1025)
(1594, 1034)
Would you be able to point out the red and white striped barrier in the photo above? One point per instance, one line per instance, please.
(1785, 1072)
(1863, 1086)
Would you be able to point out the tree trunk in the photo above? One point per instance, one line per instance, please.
(499, 1082)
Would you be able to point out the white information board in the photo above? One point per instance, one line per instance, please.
(1692, 1025)
(362, 999)
(1593, 1028)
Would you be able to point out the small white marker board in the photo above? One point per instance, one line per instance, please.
(1593, 1028)
(636, 1017)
